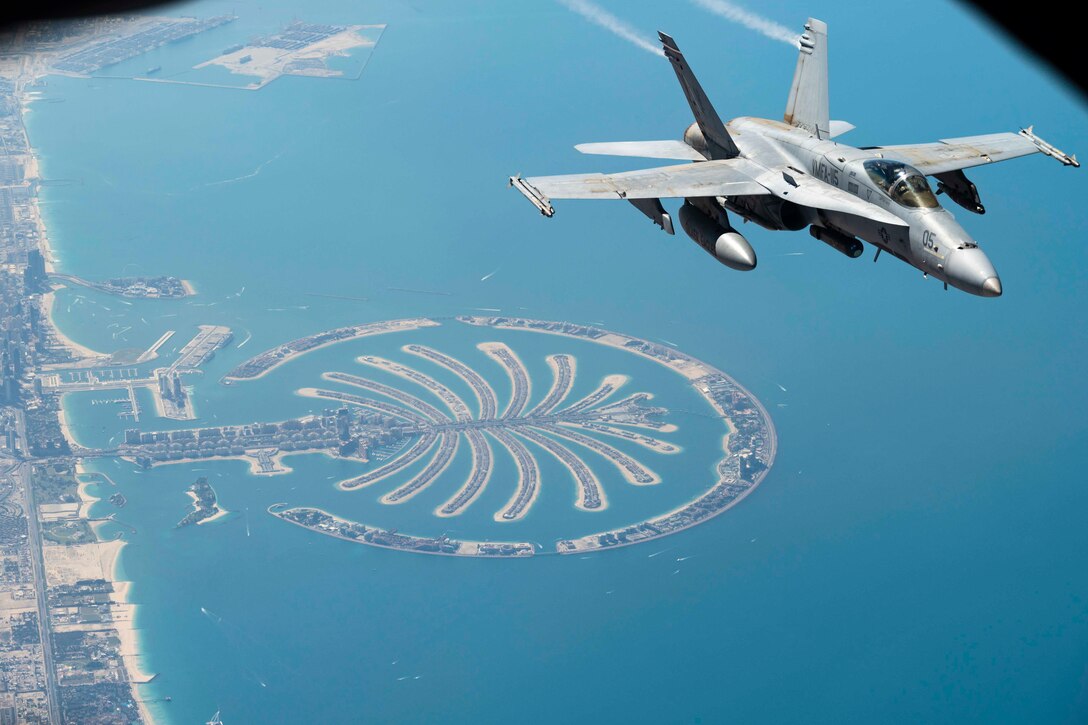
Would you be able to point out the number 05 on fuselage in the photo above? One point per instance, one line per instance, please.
(792, 174)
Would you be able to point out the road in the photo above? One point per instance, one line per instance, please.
(20, 472)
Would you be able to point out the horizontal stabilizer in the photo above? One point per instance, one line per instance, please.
(643, 149)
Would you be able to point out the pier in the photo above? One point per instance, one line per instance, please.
(170, 396)
(152, 352)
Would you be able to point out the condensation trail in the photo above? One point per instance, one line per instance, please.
(752, 21)
(596, 14)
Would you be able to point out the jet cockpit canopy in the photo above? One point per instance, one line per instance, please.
(905, 184)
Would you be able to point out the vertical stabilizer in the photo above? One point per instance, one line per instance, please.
(808, 106)
(718, 141)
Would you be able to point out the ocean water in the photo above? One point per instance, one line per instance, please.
(917, 552)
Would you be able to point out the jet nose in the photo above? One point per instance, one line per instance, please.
(991, 287)
(969, 269)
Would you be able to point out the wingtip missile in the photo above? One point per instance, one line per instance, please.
(534, 195)
(1049, 149)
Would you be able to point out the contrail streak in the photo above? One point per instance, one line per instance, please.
(752, 21)
(596, 14)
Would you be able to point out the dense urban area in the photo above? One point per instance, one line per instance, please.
(65, 625)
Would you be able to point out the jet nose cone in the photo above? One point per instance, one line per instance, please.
(969, 270)
(991, 287)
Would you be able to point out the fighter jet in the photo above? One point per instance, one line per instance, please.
(792, 174)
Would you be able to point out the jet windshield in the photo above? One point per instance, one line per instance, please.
(904, 184)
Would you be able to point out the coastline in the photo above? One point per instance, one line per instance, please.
(220, 512)
(254, 464)
(467, 549)
(80, 352)
(287, 352)
(123, 610)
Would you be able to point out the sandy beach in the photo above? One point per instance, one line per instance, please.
(220, 511)
(397, 496)
(481, 442)
(122, 609)
(254, 464)
(481, 389)
(80, 352)
(288, 353)
(507, 441)
(558, 391)
(69, 564)
(66, 431)
(617, 458)
(453, 402)
(654, 444)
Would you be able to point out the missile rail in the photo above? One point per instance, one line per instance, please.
(534, 195)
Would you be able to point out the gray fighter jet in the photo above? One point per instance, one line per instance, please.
(791, 174)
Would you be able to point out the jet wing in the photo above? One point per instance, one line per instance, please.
(725, 177)
(952, 154)
(728, 177)
(643, 149)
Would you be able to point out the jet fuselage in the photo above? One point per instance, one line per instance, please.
(930, 238)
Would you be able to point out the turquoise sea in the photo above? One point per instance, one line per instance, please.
(916, 554)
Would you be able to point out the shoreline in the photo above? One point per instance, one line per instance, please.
(81, 353)
(471, 547)
(254, 464)
(365, 329)
(495, 350)
(220, 512)
(123, 610)
(66, 430)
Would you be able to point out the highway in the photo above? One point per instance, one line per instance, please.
(21, 473)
